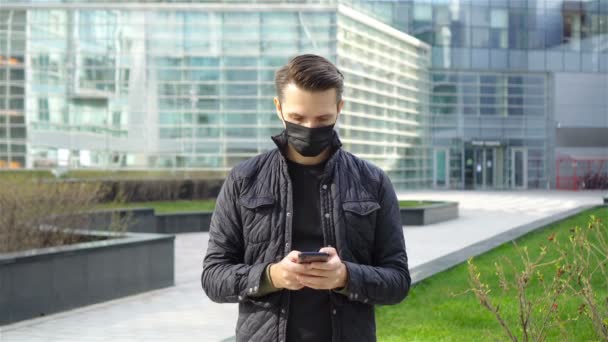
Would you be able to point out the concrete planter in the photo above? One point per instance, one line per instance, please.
(176, 223)
(428, 214)
(145, 220)
(39, 282)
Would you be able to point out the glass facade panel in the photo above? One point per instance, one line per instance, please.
(181, 79)
(389, 130)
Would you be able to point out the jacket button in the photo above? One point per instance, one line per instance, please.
(282, 310)
(356, 295)
(326, 215)
(288, 214)
(333, 311)
(324, 186)
(240, 297)
(365, 300)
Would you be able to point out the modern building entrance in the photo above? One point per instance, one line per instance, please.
(484, 165)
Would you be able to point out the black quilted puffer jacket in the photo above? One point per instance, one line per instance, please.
(251, 227)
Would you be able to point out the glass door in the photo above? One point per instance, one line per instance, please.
(519, 168)
(479, 177)
(441, 169)
(488, 167)
(485, 168)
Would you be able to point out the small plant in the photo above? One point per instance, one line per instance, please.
(576, 269)
(535, 315)
(586, 261)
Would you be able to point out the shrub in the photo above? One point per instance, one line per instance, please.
(37, 214)
(577, 269)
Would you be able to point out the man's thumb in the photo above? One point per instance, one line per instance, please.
(328, 250)
(293, 255)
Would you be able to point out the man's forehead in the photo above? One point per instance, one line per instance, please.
(303, 108)
(292, 91)
(304, 103)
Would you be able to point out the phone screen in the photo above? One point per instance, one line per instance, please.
(306, 257)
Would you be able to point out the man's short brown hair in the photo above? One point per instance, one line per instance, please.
(310, 72)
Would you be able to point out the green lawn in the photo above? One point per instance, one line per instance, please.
(117, 174)
(164, 207)
(412, 204)
(431, 313)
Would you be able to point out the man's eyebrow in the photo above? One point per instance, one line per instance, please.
(298, 114)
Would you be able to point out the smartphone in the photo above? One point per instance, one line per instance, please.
(306, 257)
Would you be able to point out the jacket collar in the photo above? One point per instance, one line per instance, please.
(281, 141)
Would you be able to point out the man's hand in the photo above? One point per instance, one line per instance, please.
(324, 275)
(284, 273)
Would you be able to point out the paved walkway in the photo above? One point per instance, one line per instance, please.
(184, 313)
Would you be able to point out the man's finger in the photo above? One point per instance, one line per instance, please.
(315, 282)
(295, 267)
(321, 266)
(317, 273)
(293, 255)
(329, 250)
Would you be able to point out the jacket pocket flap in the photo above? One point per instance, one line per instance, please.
(256, 202)
(361, 208)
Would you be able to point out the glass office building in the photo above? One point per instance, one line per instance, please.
(461, 94)
(515, 85)
(161, 85)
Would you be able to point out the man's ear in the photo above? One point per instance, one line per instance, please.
(278, 108)
(340, 105)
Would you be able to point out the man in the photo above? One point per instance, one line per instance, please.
(306, 195)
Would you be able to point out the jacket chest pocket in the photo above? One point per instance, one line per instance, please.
(257, 218)
(360, 217)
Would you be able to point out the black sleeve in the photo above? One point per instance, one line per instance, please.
(225, 278)
(388, 280)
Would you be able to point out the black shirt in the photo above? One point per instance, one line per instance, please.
(309, 309)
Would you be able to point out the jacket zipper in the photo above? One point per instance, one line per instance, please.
(327, 229)
(290, 229)
(323, 225)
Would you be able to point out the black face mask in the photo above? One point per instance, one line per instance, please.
(309, 142)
